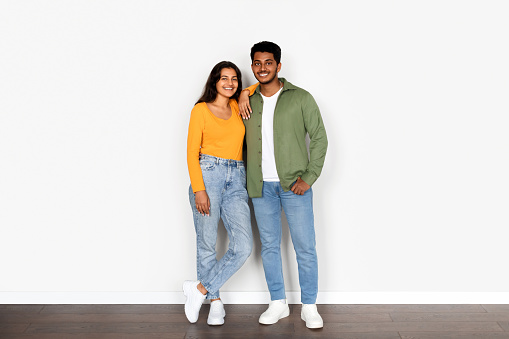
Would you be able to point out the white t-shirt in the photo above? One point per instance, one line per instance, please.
(269, 170)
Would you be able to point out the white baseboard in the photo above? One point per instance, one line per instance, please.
(255, 297)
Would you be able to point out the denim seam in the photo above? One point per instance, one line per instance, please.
(198, 255)
(232, 251)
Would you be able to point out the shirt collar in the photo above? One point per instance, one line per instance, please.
(287, 85)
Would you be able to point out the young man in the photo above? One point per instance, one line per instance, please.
(280, 175)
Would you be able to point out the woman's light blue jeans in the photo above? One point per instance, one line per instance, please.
(225, 183)
(299, 213)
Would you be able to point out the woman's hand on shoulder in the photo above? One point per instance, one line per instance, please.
(244, 107)
(202, 201)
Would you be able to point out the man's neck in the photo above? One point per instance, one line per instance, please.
(271, 88)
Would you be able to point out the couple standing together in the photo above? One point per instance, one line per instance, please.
(277, 117)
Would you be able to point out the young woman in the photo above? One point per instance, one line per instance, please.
(218, 189)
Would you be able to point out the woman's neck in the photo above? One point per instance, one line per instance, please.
(221, 101)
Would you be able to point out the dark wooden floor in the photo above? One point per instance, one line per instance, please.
(168, 321)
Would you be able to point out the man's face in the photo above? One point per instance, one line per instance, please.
(264, 67)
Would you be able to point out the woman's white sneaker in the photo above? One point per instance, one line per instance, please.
(194, 300)
(216, 313)
(310, 315)
(278, 309)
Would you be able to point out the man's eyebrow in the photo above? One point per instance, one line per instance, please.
(265, 60)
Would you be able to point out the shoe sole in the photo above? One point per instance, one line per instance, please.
(283, 315)
(311, 326)
(215, 323)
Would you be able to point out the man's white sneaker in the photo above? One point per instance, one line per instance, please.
(194, 300)
(278, 309)
(310, 315)
(216, 313)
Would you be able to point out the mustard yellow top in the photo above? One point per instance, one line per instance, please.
(214, 136)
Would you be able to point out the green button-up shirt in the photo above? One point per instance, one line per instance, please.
(296, 114)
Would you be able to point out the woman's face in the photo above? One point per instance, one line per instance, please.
(227, 84)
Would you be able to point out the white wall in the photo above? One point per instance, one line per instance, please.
(95, 99)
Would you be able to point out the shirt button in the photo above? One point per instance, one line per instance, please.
(259, 126)
(260, 180)
(259, 138)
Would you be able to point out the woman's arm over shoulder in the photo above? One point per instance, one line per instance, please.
(244, 106)
(251, 88)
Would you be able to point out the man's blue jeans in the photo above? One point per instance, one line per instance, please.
(299, 213)
(225, 184)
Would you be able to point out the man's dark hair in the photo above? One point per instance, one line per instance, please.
(210, 90)
(269, 47)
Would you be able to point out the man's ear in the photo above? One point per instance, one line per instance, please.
(278, 68)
